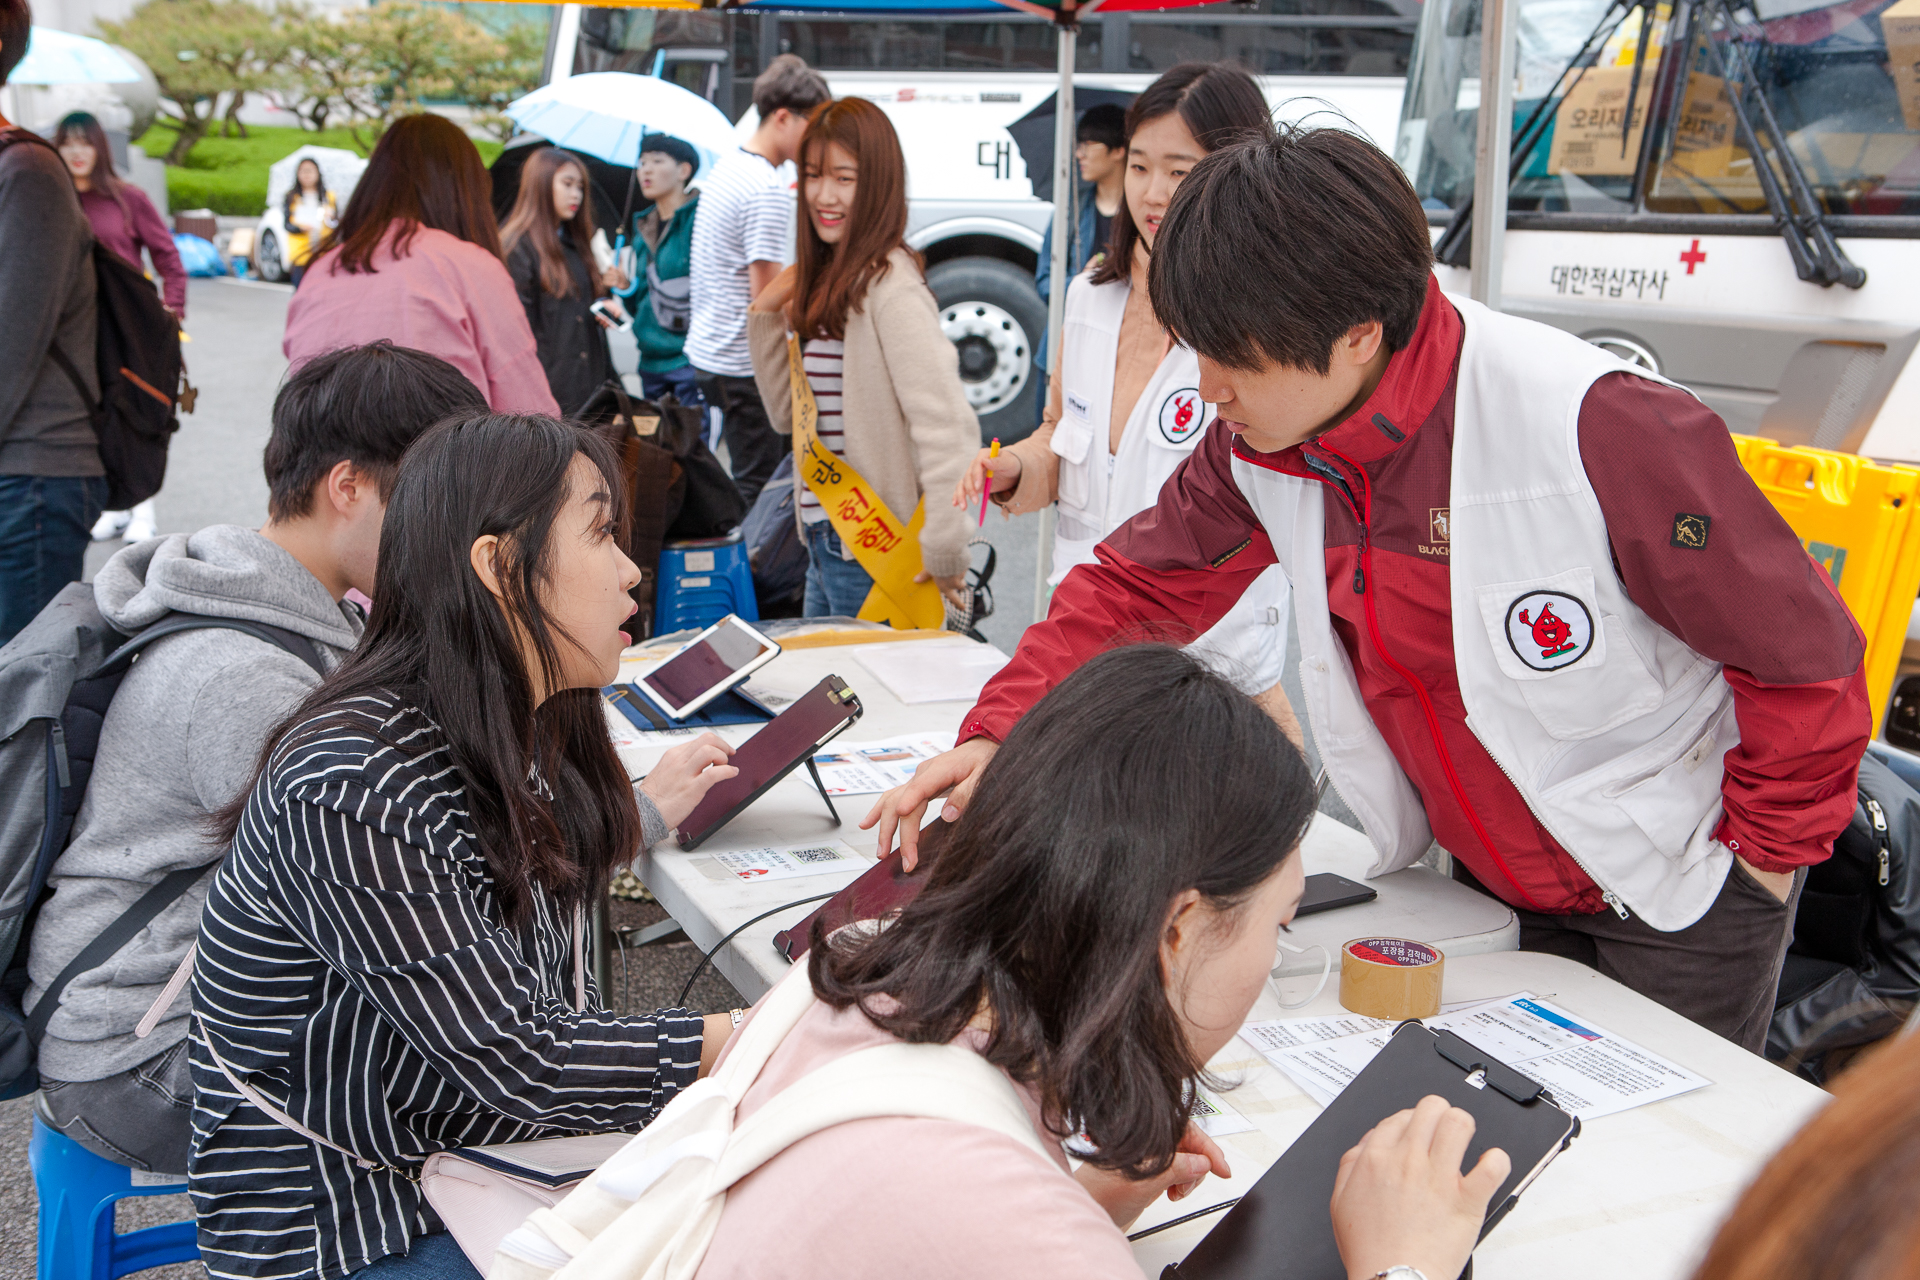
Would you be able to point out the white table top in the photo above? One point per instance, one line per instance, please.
(1638, 1194)
(708, 903)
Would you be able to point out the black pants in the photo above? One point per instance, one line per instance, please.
(1721, 971)
(754, 449)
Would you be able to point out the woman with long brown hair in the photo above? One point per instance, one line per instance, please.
(416, 260)
(883, 376)
(549, 244)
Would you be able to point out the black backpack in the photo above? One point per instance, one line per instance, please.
(1852, 975)
(57, 678)
(142, 375)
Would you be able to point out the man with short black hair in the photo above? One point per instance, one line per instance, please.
(1545, 617)
(741, 240)
(1100, 152)
(52, 484)
(183, 734)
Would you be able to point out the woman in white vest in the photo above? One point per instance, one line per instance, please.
(1125, 406)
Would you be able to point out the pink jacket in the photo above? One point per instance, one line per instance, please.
(446, 297)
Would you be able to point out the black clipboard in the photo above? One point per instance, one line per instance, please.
(1283, 1228)
(786, 743)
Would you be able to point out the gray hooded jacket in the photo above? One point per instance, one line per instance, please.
(181, 739)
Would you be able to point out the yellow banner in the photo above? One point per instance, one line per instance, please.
(887, 549)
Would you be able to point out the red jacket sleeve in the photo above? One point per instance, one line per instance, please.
(1700, 548)
(1166, 575)
(151, 231)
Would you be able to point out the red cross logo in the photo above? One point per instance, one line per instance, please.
(1693, 257)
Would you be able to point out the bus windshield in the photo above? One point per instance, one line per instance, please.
(1843, 81)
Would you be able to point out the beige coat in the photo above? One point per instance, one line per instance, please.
(909, 428)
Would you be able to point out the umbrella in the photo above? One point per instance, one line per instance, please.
(608, 182)
(606, 113)
(55, 57)
(1033, 132)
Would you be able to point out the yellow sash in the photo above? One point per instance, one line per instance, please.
(881, 544)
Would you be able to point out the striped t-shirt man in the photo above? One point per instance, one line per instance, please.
(746, 216)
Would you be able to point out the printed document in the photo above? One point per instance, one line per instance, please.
(931, 670)
(858, 768)
(1590, 1071)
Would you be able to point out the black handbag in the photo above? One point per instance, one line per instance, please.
(678, 490)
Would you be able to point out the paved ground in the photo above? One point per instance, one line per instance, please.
(214, 477)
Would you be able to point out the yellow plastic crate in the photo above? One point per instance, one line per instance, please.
(1856, 518)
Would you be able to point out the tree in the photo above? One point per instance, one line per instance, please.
(489, 85)
(324, 73)
(206, 56)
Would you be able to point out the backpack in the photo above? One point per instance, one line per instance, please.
(677, 489)
(57, 678)
(650, 1211)
(142, 375)
(1852, 973)
(774, 548)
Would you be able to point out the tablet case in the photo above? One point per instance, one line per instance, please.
(785, 744)
(1283, 1228)
(735, 706)
(882, 889)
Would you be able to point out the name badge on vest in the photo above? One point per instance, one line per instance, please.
(1549, 629)
(1078, 405)
(1183, 416)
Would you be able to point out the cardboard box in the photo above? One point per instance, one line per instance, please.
(1587, 124)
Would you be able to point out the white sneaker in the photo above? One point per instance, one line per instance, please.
(140, 524)
(111, 525)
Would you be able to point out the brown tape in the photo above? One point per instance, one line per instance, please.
(1392, 978)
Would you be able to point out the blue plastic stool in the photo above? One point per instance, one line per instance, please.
(701, 582)
(77, 1193)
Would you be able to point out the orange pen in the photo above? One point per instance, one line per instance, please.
(986, 490)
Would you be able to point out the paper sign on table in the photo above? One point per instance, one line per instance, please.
(932, 670)
(1589, 1071)
(785, 864)
(1216, 1119)
(857, 768)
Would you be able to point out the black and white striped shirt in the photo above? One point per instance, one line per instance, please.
(354, 971)
(822, 360)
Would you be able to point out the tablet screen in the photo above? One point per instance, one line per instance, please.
(705, 663)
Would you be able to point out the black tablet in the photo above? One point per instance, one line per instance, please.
(1327, 891)
(1283, 1228)
(787, 742)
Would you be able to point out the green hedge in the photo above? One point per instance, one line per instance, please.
(229, 175)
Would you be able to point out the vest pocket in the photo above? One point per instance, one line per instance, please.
(1072, 437)
(1670, 804)
(1574, 666)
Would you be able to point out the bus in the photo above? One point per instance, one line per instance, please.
(1780, 291)
(952, 85)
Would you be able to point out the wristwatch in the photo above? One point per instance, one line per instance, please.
(1400, 1273)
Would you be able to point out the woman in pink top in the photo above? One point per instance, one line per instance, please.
(122, 217)
(1097, 927)
(416, 260)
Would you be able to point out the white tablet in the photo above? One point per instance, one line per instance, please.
(714, 661)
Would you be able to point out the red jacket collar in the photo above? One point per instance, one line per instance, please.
(1416, 378)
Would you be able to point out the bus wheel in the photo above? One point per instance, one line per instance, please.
(991, 312)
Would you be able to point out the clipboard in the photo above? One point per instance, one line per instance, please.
(788, 742)
(1283, 1228)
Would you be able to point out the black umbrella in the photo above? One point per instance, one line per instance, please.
(1033, 132)
(608, 181)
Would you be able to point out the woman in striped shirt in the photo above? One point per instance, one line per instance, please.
(390, 960)
(884, 376)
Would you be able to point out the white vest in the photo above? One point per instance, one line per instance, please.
(1610, 727)
(1100, 491)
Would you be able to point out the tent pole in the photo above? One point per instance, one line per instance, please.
(1064, 177)
(1499, 31)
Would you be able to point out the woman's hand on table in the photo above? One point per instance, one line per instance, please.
(1006, 475)
(1400, 1199)
(685, 774)
(1125, 1200)
(953, 774)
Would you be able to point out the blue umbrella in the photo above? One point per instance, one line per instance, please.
(57, 57)
(606, 113)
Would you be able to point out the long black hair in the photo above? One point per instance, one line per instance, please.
(548, 801)
(1218, 102)
(1140, 776)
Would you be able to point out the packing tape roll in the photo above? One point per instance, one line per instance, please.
(1391, 978)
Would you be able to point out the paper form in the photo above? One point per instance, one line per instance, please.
(858, 768)
(788, 863)
(1590, 1071)
(932, 670)
(1216, 1119)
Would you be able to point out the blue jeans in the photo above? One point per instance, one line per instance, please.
(46, 523)
(683, 382)
(434, 1257)
(834, 586)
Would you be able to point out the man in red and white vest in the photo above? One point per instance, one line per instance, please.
(1545, 617)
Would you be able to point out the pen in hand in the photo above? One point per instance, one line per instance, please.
(986, 490)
